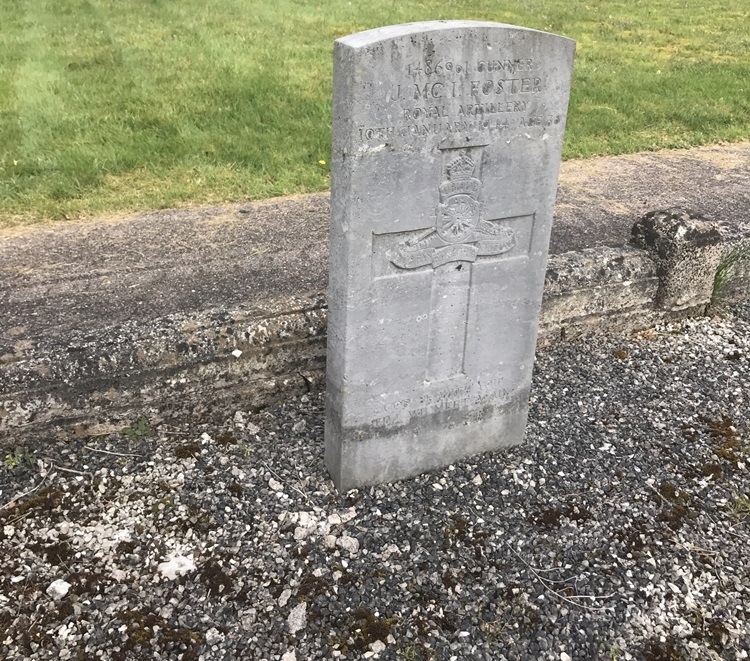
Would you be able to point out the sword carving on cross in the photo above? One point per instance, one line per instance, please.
(458, 238)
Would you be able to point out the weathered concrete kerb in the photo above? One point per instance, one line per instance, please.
(207, 312)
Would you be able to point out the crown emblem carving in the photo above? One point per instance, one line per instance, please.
(461, 180)
(461, 168)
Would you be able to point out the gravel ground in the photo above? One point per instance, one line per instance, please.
(619, 530)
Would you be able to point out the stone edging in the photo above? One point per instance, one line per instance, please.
(215, 362)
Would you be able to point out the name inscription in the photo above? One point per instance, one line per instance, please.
(478, 88)
(444, 97)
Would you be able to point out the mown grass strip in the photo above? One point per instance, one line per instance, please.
(109, 106)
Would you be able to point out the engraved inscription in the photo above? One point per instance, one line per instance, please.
(482, 87)
(444, 97)
(433, 67)
(506, 86)
(475, 124)
(443, 399)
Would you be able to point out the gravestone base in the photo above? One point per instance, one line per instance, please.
(437, 441)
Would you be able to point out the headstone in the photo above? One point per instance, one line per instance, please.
(447, 139)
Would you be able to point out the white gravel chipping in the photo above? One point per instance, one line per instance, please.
(619, 530)
(176, 564)
(57, 589)
(297, 619)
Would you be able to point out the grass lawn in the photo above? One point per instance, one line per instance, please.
(113, 105)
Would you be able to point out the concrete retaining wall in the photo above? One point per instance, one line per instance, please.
(200, 314)
(211, 364)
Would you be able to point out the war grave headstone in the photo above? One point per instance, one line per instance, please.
(447, 140)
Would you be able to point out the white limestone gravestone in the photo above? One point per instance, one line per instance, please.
(447, 139)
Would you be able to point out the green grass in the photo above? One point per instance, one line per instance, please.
(740, 508)
(112, 105)
(731, 273)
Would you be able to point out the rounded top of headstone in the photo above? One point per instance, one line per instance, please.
(369, 37)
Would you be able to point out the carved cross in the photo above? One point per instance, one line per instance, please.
(459, 238)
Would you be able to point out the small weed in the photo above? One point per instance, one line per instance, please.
(56, 553)
(732, 271)
(19, 457)
(245, 449)
(226, 438)
(350, 578)
(311, 586)
(679, 505)
(712, 470)
(458, 528)
(364, 629)
(416, 653)
(47, 498)
(145, 629)
(634, 538)
(367, 628)
(138, 430)
(740, 508)
(198, 520)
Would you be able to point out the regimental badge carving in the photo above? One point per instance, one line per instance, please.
(460, 233)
